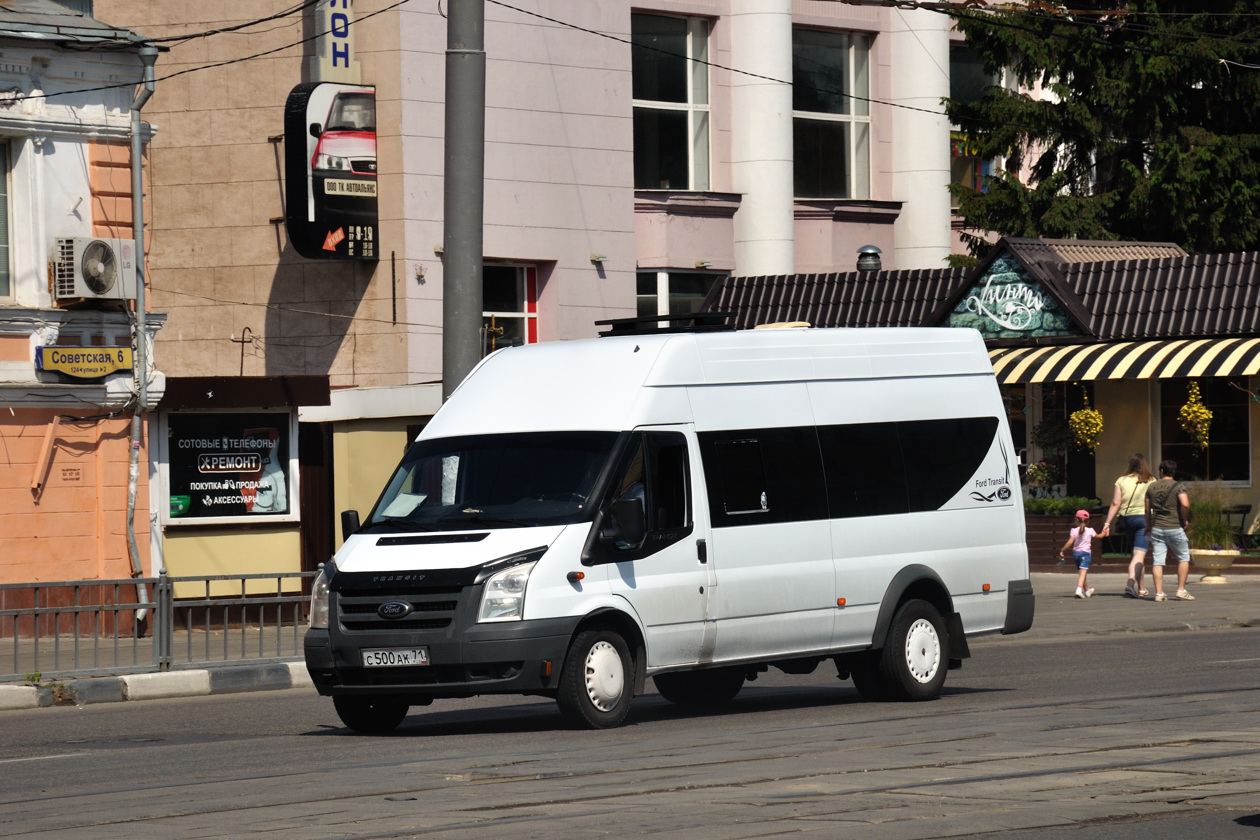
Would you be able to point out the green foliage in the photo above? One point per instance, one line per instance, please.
(1153, 135)
(34, 677)
(1209, 527)
(1067, 506)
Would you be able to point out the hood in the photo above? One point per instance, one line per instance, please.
(347, 144)
(401, 552)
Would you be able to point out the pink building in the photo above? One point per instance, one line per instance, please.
(634, 154)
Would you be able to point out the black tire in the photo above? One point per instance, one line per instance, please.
(712, 687)
(915, 656)
(597, 681)
(370, 715)
(864, 669)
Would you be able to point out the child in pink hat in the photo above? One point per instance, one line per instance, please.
(1081, 541)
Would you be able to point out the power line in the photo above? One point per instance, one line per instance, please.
(179, 39)
(713, 64)
(200, 67)
(291, 309)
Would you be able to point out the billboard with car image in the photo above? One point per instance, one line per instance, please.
(330, 171)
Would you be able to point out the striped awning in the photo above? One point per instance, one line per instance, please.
(1127, 360)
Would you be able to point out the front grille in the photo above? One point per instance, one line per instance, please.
(433, 608)
(363, 167)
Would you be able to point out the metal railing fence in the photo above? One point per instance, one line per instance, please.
(60, 629)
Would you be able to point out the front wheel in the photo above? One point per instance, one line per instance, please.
(915, 657)
(597, 681)
(370, 715)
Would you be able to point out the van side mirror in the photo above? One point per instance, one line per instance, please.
(630, 528)
(315, 129)
(349, 523)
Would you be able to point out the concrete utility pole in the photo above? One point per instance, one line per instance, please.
(463, 203)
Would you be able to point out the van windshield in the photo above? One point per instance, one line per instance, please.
(494, 481)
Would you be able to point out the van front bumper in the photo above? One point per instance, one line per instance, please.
(518, 657)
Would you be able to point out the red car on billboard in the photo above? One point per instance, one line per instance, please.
(343, 168)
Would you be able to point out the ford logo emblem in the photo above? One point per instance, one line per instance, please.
(394, 609)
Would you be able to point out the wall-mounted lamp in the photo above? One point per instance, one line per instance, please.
(598, 258)
(703, 263)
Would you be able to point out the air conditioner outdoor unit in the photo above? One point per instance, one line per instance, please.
(91, 268)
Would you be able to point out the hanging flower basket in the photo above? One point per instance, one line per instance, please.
(1086, 425)
(1195, 418)
(1042, 474)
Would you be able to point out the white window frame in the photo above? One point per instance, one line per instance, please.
(698, 113)
(662, 285)
(527, 277)
(858, 163)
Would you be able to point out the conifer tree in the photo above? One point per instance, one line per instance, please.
(1150, 131)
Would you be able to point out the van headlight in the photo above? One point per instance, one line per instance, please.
(503, 594)
(319, 601)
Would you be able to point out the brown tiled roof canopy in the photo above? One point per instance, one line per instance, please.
(1202, 295)
(1140, 290)
(848, 299)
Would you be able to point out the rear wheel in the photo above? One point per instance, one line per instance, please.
(597, 681)
(370, 715)
(915, 657)
(713, 687)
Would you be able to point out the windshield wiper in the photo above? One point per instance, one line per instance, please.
(479, 518)
(399, 523)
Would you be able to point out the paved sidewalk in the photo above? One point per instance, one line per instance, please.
(1059, 615)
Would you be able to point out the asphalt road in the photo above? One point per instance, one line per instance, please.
(1148, 735)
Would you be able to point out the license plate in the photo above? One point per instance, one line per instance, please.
(395, 657)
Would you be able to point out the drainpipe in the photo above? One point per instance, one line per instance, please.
(148, 55)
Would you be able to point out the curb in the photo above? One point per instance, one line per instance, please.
(160, 686)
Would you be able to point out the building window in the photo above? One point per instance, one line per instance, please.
(672, 292)
(509, 306)
(968, 82)
(6, 283)
(1228, 453)
(831, 115)
(671, 102)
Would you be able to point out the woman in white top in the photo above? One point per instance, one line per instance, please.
(1129, 503)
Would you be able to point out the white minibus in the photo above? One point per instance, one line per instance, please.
(690, 507)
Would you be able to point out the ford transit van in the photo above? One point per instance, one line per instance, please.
(581, 516)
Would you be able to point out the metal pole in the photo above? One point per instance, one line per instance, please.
(148, 55)
(464, 170)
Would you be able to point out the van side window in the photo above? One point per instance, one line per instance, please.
(743, 476)
(654, 469)
(955, 449)
(757, 476)
(865, 469)
(875, 469)
(668, 486)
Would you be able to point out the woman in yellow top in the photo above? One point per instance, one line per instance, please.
(1129, 503)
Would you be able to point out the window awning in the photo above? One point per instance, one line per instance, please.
(1127, 360)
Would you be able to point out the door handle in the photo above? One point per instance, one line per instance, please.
(702, 551)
